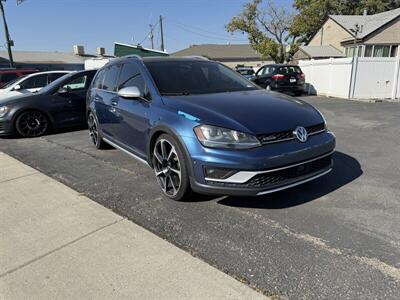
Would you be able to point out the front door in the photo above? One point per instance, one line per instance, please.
(134, 113)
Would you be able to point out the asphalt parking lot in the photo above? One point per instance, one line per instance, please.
(335, 238)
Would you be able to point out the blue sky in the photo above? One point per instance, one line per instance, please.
(59, 24)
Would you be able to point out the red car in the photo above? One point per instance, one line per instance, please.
(6, 75)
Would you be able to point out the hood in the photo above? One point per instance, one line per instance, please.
(256, 111)
(14, 99)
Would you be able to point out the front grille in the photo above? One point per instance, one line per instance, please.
(1, 126)
(281, 136)
(265, 180)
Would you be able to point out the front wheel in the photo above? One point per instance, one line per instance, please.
(32, 123)
(170, 167)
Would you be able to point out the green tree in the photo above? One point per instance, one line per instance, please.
(267, 27)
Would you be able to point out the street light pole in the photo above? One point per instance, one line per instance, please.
(9, 42)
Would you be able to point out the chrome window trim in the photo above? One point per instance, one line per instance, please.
(244, 176)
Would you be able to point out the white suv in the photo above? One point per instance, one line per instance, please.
(29, 83)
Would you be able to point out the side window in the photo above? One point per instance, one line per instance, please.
(127, 76)
(34, 82)
(76, 84)
(260, 71)
(98, 82)
(110, 78)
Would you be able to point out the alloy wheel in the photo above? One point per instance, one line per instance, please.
(167, 167)
(32, 124)
(93, 131)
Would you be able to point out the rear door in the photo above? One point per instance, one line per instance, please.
(264, 75)
(105, 100)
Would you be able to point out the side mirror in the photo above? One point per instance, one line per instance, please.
(17, 87)
(130, 92)
(62, 91)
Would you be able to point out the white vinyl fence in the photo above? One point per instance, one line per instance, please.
(373, 77)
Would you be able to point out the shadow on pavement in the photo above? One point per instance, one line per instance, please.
(345, 170)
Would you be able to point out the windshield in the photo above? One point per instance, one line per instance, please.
(245, 72)
(186, 77)
(8, 84)
(55, 83)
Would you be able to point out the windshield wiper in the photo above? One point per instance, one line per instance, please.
(176, 94)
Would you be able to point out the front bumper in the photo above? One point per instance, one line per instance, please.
(265, 169)
(6, 127)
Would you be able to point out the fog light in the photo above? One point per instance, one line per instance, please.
(218, 173)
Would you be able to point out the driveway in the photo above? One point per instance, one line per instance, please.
(336, 237)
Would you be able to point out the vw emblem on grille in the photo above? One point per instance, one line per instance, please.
(301, 134)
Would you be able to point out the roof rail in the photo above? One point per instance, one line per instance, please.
(132, 56)
(196, 56)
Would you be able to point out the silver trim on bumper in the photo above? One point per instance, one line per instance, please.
(244, 176)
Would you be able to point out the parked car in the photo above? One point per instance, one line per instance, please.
(202, 127)
(281, 78)
(59, 104)
(29, 83)
(6, 75)
(247, 72)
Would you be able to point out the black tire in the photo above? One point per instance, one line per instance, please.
(169, 186)
(94, 132)
(32, 123)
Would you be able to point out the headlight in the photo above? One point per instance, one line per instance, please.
(217, 137)
(3, 111)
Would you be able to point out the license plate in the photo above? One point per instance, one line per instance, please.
(292, 80)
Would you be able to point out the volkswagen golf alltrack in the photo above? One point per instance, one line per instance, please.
(204, 128)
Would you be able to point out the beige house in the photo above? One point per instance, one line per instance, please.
(378, 35)
(230, 54)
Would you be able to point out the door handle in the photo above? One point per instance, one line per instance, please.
(97, 98)
(114, 103)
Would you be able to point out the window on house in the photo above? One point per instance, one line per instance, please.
(368, 51)
(381, 51)
(393, 51)
(359, 53)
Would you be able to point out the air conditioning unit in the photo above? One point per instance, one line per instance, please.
(100, 51)
(79, 50)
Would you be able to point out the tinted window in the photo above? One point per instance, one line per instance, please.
(38, 81)
(77, 83)
(195, 77)
(128, 76)
(55, 76)
(269, 70)
(289, 70)
(98, 82)
(110, 78)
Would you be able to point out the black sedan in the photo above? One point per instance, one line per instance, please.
(60, 104)
(281, 78)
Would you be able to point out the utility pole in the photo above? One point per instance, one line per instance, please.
(9, 42)
(162, 34)
(356, 30)
(151, 36)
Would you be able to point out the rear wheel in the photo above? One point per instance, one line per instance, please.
(32, 123)
(170, 168)
(94, 132)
